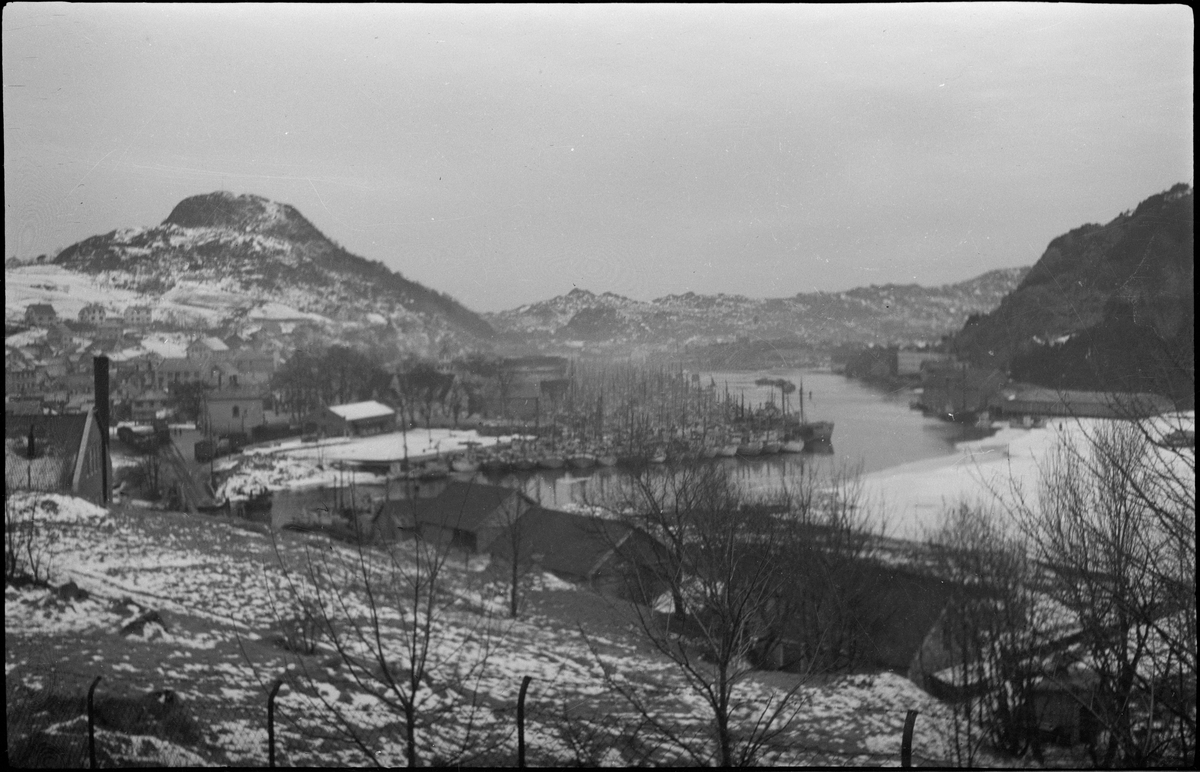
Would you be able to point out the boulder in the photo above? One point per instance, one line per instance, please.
(138, 626)
(72, 592)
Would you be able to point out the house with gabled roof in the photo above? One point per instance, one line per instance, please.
(137, 315)
(93, 314)
(66, 455)
(233, 411)
(40, 315)
(207, 347)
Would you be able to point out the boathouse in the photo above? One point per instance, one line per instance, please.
(356, 419)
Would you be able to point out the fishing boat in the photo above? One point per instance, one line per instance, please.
(816, 433)
(495, 464)
(728, 450)
(433, 470)
(551, 461)
(751, 448)
(659, 456)
(524, 464)
(581, 461)
(819, 432)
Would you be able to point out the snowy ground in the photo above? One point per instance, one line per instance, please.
(218, 590)
(915, 495)
(421, 444)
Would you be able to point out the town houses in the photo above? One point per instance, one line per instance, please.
(48, 363)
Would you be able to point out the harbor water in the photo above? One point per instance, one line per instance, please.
(874, 429)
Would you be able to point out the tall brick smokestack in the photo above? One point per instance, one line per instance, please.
(102, 412)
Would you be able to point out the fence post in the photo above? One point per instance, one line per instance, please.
(271, 723)
(92, 724)
(521, 721)
(910, 721)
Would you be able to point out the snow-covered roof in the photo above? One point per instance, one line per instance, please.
(212, 344)
(357, 411)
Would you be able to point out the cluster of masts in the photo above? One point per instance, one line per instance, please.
(621, 414)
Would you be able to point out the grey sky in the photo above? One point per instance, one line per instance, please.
(505, 154)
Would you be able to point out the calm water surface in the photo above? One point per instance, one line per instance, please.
(873, 430)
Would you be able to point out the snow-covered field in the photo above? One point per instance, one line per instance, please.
(66, 290)
(199, 302)
(218, 591)
(984, 472)
(419, 444)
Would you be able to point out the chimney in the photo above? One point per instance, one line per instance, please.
(102, 411)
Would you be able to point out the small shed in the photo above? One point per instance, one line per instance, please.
(357, 419)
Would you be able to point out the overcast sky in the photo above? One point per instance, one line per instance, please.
(506, 154)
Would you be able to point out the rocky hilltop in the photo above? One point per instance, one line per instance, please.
(1106, 307)
(250, 249)
(890, 313)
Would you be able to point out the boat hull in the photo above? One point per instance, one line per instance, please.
(815, 433)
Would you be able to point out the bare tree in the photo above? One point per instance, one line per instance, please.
(722, 571)
(996, 629)
(1114, 524)
(388, 621)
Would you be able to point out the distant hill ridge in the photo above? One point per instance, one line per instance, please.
(249, 244)
(1108, 307)
(875, 314)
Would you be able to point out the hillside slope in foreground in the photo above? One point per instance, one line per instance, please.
(205, 598)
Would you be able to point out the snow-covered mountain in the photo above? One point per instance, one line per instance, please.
(875, 314)
(245, 255)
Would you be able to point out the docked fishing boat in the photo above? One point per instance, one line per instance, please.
(606, 458)
(659, 456)
(495, 464)
(751, 448)
(581, 461)
(728, 451)
(551, 461)
(771, 447)
(708, 451)
(466, 464)
(819, 432)
(433, 470)
(524, 464)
